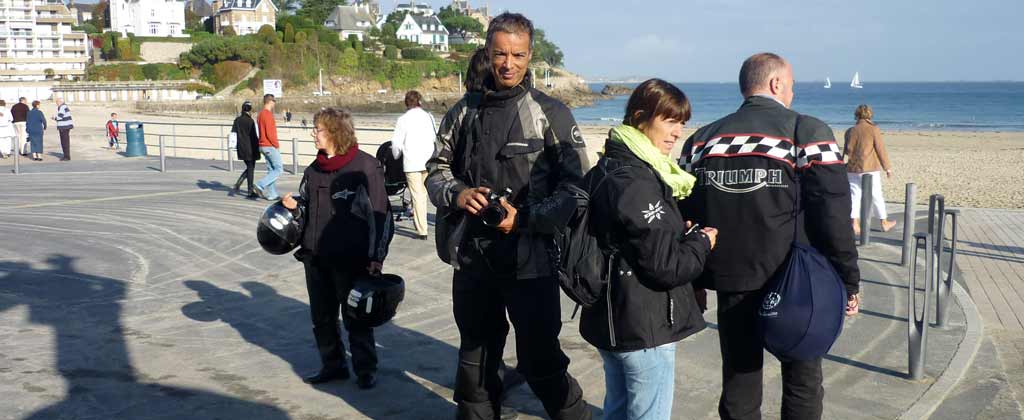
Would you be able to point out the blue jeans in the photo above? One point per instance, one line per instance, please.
(274, 169)
(639, 384)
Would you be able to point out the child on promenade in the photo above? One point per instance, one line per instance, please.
(113, 131)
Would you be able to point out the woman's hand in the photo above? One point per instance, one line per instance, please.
(712, 235)
(888, 173)
(852, 304)
(288, 202)
(702, 298)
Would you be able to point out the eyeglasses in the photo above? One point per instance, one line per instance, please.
(317, 130)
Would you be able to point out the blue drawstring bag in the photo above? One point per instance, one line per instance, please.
(803, 307)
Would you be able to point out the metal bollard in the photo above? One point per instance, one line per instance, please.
(174, 138)
(295, 157)
(163, 157)
(865, 208)
(223, 141)
(945, 284)
(917, 328)
(231, 160)
(937, 227)
(909, 222)
(17, 157)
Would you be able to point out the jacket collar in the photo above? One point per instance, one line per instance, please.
(761, 102)
(501, 97)
(619, 151)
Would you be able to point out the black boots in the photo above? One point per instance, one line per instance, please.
(366, 381)
(329, 373)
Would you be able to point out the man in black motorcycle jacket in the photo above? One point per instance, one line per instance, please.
(510, 137)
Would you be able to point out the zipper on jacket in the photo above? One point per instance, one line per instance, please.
(671, 310)
(608, 300)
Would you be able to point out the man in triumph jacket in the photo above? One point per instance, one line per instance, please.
(753, 168)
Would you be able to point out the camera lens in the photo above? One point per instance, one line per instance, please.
(492, 215)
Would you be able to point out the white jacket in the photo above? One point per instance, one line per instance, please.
(6, 123)
(413, 139)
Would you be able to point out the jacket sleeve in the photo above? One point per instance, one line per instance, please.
(383, 229)
(663, 259)
(398, 138)
(300, 212)
(883, 155)
(565, 143)
(442, 185)
(825, 197)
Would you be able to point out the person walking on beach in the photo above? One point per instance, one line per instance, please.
(413, 141)
(269, 146)
(247, 145)
(753, 167)
(64, 126)
(866, 155)
(113, 131)
(20, 114)
(633, 193)
(347, 233)
(7, 133)
(35, 125)
(513, 138)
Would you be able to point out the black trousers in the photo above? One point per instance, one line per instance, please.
(328, 286)
(480, 302)
(247, 175)
(65, 142)
(742, 360)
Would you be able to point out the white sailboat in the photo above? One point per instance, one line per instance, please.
(828, 83)
(855, 83)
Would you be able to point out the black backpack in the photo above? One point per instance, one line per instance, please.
(582, 263)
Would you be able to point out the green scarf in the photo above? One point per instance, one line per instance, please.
(641, 146)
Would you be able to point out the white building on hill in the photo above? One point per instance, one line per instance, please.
(424, 30)
(148, 17)
(351, 20)
(37, 43)
(415, 8)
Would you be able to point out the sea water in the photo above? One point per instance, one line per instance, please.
(957, 106)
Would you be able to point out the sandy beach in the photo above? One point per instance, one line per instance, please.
(972, 169)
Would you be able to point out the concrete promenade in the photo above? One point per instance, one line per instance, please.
(132, 294)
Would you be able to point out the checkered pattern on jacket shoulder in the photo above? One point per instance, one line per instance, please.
(731, 145)
(820, 153)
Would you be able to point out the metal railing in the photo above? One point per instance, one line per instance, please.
(934, 244)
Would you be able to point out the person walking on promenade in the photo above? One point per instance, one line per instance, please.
(517, 138)
(866, 155)
(20, 114)
(287, 116)
(347, 233)
(753, 167)
(413, 141)
(35, 125)
(64, 126)
(7, 133)
(269, 146)
(247, 145)
(113, 131)
(634, 189)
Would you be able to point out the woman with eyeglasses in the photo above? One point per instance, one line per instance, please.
(347, 230)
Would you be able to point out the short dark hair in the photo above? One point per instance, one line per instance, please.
(412, 99)
(510, 23)
(758, 70)
(113, 114)
(21, 99)
(478, 71)
(268, 98)
(656, 98)
(35, 104)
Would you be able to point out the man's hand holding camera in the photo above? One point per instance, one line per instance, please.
(477, 201)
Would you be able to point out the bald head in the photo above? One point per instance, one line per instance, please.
(767, 74)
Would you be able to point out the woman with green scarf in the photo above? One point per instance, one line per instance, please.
(649, 304)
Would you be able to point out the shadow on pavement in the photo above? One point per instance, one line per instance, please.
(84, 312)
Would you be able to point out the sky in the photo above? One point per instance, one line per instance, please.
(707, 40)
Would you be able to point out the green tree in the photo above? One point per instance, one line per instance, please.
(289, 32)
(229, 31)
(318, 10)
(544, 50)
(267, 34)
(455, 20)
(193, 22)
(99, 15)
(391, 52)
(151, 71)
(301, 37)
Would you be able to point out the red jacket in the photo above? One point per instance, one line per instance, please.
(112, 129)
(268, 129)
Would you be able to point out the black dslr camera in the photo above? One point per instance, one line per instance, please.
(494, 213)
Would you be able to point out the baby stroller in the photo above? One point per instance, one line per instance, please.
(394, 181)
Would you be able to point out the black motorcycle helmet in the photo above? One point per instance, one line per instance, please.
(374, 300)
(278, 232)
